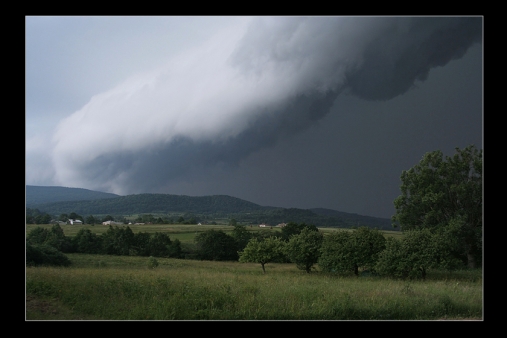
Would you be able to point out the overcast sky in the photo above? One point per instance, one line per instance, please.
(281, 111)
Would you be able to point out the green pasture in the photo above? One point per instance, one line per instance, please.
(103, 287)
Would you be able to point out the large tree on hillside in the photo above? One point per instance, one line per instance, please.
(445, 194)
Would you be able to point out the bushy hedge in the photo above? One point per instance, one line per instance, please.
(45, 255)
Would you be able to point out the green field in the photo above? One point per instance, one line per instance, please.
(103, 287)
(124, 288)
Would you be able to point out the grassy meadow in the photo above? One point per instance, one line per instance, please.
(102, 287)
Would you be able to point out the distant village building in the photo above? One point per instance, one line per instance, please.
(281, 224)
(111, 222)
(75, 222)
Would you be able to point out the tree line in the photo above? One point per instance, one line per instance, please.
(439, 210)
(47, 247)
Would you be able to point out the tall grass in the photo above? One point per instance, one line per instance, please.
(124, 288)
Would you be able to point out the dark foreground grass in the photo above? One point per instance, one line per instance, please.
(124, 288)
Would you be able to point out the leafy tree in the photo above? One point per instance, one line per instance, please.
(87, 242)
(409, 257)
(141, 244)
(175, 249)
(37, 236)
(264, 233)
(117, 240)
(53, 237)
(263, 251)
(63, 217)
(91, 220)
(58, 240)
(232, 222)
(191, 221)
(43, 219)
(445, 193)
(159, 245)
(345, 251)
(241, 236)
(303, 249)
(75, 216)
(44, 255)
(293, 228)
(107, 218)
(216, 245)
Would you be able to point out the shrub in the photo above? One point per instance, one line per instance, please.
(152, 262)
(45, 255)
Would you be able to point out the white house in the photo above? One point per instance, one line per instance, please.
(75, 222)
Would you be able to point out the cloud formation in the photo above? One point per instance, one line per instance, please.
(243, 91)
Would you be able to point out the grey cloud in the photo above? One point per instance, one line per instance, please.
(308, 62)
(398, 57)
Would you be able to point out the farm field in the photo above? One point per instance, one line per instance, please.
(108, 287)
(101, 287)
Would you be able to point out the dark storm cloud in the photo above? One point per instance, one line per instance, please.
(222, 103)
(398, 57)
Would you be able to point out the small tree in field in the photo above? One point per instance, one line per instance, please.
(345, 251)
(409, 257)
(303, 249)
(262, 251)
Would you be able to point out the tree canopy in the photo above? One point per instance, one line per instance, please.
(303, 248)
(445, 193)
(345, 251)
(263, 251)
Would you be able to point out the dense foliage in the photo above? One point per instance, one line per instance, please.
(44, 255)
(303, 248)
(345, 251)
(445, 194)
(263, 251)
(216, 245)
(115, 241)
(293, 228)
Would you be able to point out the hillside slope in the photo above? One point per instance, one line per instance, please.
(206, 207)
(47, 194)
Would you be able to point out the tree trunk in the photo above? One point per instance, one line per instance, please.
(356, 270)
(263, 266)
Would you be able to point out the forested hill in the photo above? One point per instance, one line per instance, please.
(47, 194)
(152, 203)
(204, 207)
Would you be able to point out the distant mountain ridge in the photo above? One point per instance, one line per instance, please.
(48, 194)
(56, 200)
